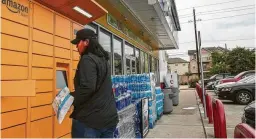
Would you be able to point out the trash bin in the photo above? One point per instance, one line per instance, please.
(168, 104)
(175, 98)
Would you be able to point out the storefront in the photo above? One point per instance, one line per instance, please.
(38, 58)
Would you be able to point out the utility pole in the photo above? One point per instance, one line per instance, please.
(197, 56)
(202, 73)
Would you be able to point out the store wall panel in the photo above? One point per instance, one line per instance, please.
(42, 61)
(13, 103)
(42, 49)
(43, 37)
(63, 128)
(16, 17)
(14, 29)
(62, 53)
(44, 86)
(42, 128)
(41, 99)
(61, 42)
(14, 132)
(41, 112)
(13, 118)
(13, 88)
(62, 27)
(76, 55)
(75, 63)
(42, 73)
(43, 19)
(10, 72)
(7, 42)
(14, 58)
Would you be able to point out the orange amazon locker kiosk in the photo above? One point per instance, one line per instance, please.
(37, 59)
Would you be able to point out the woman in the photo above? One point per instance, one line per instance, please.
(95, 114)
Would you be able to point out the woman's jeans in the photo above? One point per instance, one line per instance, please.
(80, 130)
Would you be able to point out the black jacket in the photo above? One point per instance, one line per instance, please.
(94, 105)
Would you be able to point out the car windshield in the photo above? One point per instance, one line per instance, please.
(212, 77)
(247, 79)
(238, 75)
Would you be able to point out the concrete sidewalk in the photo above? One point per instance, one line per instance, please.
(181, 123)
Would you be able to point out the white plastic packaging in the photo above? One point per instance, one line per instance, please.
(62, 103)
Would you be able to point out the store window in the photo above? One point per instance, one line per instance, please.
(105, 41)
(157, 71)
(153, 65)
(142, 60)
(137, 56)
(117, 49)
(92, 27)
(146, 63)
(129, 50)
(61, 79)
(150, 63)
(130, 63)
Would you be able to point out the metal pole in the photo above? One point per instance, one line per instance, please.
(198, 69)
(202, 74)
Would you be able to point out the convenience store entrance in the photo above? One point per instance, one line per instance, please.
(130, 65)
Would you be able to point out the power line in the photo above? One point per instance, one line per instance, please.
(210, 4)
(220, 18)
(218, 12)
(221, 9)
(228, 16)
(218, 40)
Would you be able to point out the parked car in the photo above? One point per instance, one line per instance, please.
(242, 92)
(211, 85)
(215, 77)
(238, 76)
(249, 115)
(244, 80)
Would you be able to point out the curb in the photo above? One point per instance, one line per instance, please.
(200, 112)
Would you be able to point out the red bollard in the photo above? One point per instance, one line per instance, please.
(209, 108)
(219, 119)
(243, 130)
(199, 91)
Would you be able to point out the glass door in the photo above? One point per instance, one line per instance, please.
(130, 65)
(133, 65)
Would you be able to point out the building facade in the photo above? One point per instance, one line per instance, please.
(206, 58)
(178, 65)
(38, 58)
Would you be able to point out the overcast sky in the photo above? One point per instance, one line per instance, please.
(231, 28)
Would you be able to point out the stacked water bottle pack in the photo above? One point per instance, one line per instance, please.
(121, 92)
(152, 113)
(138, 84)
(159, 102)
(126, 126)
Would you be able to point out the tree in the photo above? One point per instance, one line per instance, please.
(219, 63)
(241, 59)
(234, 61)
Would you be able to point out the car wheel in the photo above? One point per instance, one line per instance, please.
(243, 97)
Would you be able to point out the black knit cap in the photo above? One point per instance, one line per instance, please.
(84, 34)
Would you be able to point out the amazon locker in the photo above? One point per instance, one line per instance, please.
(37, 58)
